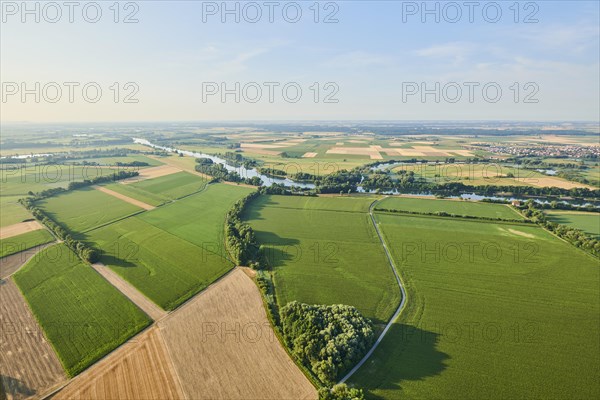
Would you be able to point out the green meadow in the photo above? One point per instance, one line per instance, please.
(83, 209)
(588, 222)
(160, 190)
(84, 317)
(457, 207)
(493, 312)
(174, 251)
(35, 178)
(323, 256)
(12, 211)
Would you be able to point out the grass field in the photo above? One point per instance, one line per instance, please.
(457, 207)
(35, 178)
(517, 316)
(114, 160)
(11, 211)
(161, 190)
(86, 208)
(323, 256)
(24, 241)
(586, 221)
(172, 252)
(83, 316)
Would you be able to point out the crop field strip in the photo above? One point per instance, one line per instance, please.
(83, 316)
(84, 209)
(28, 364)
(325, 257)
(457, 207)
(236, 351)
(127, 199)
(25, 241)
(481, 327)
(171, 253)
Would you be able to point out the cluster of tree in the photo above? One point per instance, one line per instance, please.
(572, 235)
(445, 214)
(85, 252)
(220, 173)
(239, 236)
(326, 339)
(269, 171)
(102, 179)
(341, 391)
(132, 164)
(280, 189)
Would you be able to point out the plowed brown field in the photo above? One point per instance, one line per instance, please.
(28, 365)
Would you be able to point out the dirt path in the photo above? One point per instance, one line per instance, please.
(128, 199)
(223, 346)
(153, 311)
(153, 172)
(11, 264)
(28, 365)
(140, 369)
(402, 292)
(20, 228)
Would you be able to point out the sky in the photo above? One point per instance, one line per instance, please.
(303, 60)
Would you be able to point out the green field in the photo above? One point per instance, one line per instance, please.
(586, 221)
(160, 190)
(323, 256)
(172, 252)
(12, 212)
(109, 161)
(517, 316)
(35, 178)
(86, 208)
(24, 241)
(83, 316)
(457, 207)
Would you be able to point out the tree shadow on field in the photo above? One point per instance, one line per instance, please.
(277, 251)
(14, 387)
(254, 211)
(406, 354)
(107, 259)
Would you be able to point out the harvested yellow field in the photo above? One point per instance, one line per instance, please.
(127, 199)
(28, 365)
(556, 182)
(309, 155)
(154, 172)
(223, 346)
(374, 152)
(140, 369)
(20, 228)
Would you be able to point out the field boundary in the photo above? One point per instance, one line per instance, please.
(471, 219)
(125, 198)
(130, 291)
(401, 306)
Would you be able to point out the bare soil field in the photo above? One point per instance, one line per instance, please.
(374, 152)
(154, 172)
(236, 354)
(10, 264)
(20, 228)
(128, 199)
(147, 306)
(28, 365)
(309, 155)
(140, 369)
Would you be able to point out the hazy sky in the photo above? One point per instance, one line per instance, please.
(375, 61)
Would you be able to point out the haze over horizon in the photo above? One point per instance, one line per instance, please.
(374, 63)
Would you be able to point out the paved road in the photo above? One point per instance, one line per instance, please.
(398, 310)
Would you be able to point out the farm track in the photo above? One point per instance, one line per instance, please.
(145, 304)
(400, 306)
(128, 199)
(28, 365)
